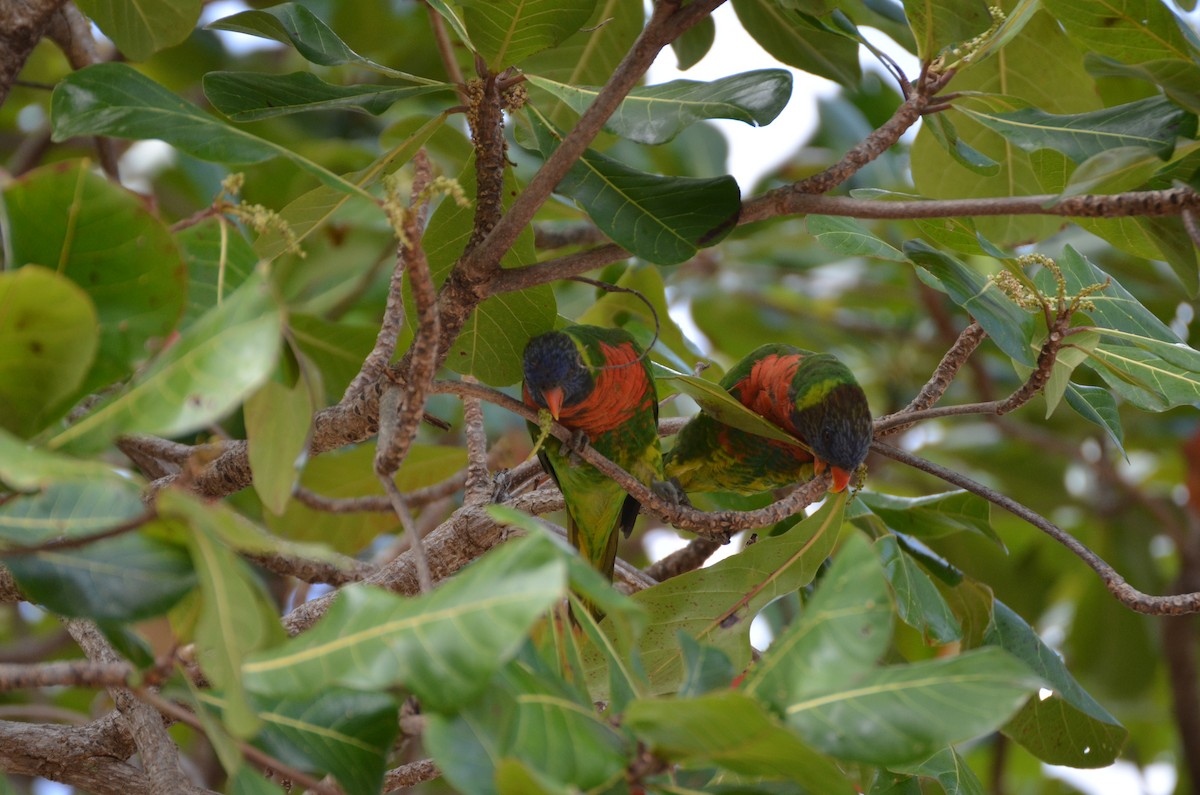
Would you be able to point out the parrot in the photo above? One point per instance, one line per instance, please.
(596, 382)
(812, 396)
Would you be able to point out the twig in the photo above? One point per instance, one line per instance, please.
(74, 542)
(884, 426)
(948, 368)
(415, 542)
(74, 673)
(446, 51)
(681, 561)
(340, 572)
(1126, 594)
(410, 775)
(160, 756)
(479, 482)
(1191, 225)
(576, 235)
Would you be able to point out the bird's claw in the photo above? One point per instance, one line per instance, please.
(501, 486)
(670, 491)
(576, 445)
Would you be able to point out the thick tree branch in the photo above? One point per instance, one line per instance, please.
(681, 561)
(410, 775)
(22, 25)
(74, 673)
(88, 757)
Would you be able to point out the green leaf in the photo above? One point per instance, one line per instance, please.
(1151, 123)
(694, 44)
(843, 630)
(506, 32)
(491, 343)
(50, 335)
(934, 515)
(948, 769)
(207, 372)
(664, 220)
(784, 34)
(127, 578)
(1074, 353)
(1147, 381)
(250, 96)
(1007, 324)
(1114, 307)
(528, 714)
(453, 17)
(277, 427)
(656, 114)
(1179, 78)
(141, 28)
(343, 732)
(942, 128)
(337, 350)
(715, 605)
(292, 23)
(708, 668)
(104, 239)
(309, 211)
(443, 646)
(729, 730)
(940, 24)
(722, 406)
(1112, 171)
(236, 617)
(1066, 726)
(26, 468)
(918, 601)
(904, 713)
(850, 237)
(1132, 31)
(1096, 404)
(115, 99)
(218, 260)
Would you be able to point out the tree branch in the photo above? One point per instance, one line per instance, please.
(22, 25)
(1126, 594)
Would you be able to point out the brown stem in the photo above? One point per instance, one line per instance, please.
(683, 560)
(410, 775)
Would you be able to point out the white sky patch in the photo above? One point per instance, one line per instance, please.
(1120, 777)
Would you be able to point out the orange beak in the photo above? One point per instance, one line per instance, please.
(841, 479)
(554, 399)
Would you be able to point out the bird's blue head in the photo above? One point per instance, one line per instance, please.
(555, 374)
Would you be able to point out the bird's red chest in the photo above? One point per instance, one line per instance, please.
(619, 393)
(765, 391)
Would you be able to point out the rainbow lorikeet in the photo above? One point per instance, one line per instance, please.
(595, 381)
(812, 396)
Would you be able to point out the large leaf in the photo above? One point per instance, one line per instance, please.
(344, 732)
(506, 32)
(115, 99)
(722, 406)
(26, 468)
(844, 629)
(209, 370)
(918, 601)
(732, 731)
(1132, 31)
(444, 646)
(716, 605)
(661, 219)
(48, 325)
(1097, 405)
(141, 28)
(528, 714)
(1179, 78)
(1066, 726)
(308, 212)
(493, 339)
(126, 578)
(1151, 123)
(1011, 327)
(103, 238)
(940, 24)
(218, 260)
(656, 114)
(292, 23)
(249, 96)
(235, 615)
(934, 515)
(904, 713)
(277, 419)
(850, 237)
(786, 35)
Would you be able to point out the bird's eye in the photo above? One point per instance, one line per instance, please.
(827, 435)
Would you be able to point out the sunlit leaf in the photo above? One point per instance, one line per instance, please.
(850, 237)
(443, 646)
(656, 114)
(141, 28)
(918, 602)
(506, 32)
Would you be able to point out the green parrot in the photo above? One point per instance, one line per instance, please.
(812, 396)
(595, 381)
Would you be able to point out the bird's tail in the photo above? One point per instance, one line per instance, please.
(600, 552)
